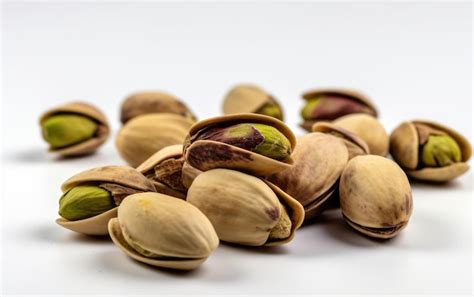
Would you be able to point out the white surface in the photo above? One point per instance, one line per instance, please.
(414, 60)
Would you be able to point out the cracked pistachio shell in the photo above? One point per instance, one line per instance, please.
(153, 102)
(369, 129)
(208, 154)
(144, 135)
(83, 109)
(248, 98)
(244, 209)
(166, 182)
(119, 175)
(319, 160)
(375, 196)
(405, 145)
(354, 144)
(188, 174)
(163, 231)
(356, 96)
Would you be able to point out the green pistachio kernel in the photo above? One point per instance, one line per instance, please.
(282, 229)
(83, 202)
(275, 144)
(306, 112)
(440, 150)
(272, 110)
(67, 129)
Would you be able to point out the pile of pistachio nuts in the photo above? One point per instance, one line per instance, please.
(243, 177)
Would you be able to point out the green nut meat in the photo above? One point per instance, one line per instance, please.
(67, 129)
(271, 109)
(259, 138)
(440, 150)
(306, 111)
(82, 202)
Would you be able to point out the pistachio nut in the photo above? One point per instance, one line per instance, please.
(355, 145)
(163, 231)
(330, 104)
(153, 102)
(319, 160)
(74, 129)
(430, 151)
(164, 169)
(369, 129)
(247, 98)
(375, 196)
(252, 143)
(90, 198)
(245, 209)
(144, 135)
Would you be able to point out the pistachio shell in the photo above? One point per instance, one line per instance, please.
(163, 231)
(188, 174)
(84, 109)
(369, 129)
(375, 196)
(350, 93)
(96, 225)
(405, 145)
(354, 144)
(319, 160)
(243, 209)
(207, 154)
(144, 135)
(152, 102)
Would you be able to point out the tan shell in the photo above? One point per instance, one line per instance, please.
(144, 135)
(188, 174)
(319, 160)
(170, 228)
(354, 94)
(81, 108)
(375, 196)
(122, 175)
(207, 154)
(152, 102)
(404, 147)
(354, 144)
(168, 152)
(369, 129)
(242, 208)
(246, 98)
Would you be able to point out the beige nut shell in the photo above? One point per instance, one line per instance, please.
(319, 160)
(173, 229)
(144, 135)
(242, 208)
(122, 175)
(81, 108)
(375, 196)
(245, 98)
(207, 154)
(404, 147)
(369, 129)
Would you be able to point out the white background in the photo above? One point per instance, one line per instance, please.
(414, 60)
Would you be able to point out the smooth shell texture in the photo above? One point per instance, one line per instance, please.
(375, 196)
(152, 102)
(245, 98)
(354, 144)
(242, 208)
(356, 95)
(144, 135)
(188, 174)
(164, 226)
(206, 154)
(85, 109)
(96, 225)
(319, 160)
(404, 147)
(369, 129)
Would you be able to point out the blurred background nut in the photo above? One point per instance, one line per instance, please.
(330, 104)
(90, 197)
(74, 129)
(153, 102)
(144, 135)
(368, 129)
(312, 180)
(247, 98)
(245, 209)
(375, 196)
(430, 151)
(163, 231)
(248, 142)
